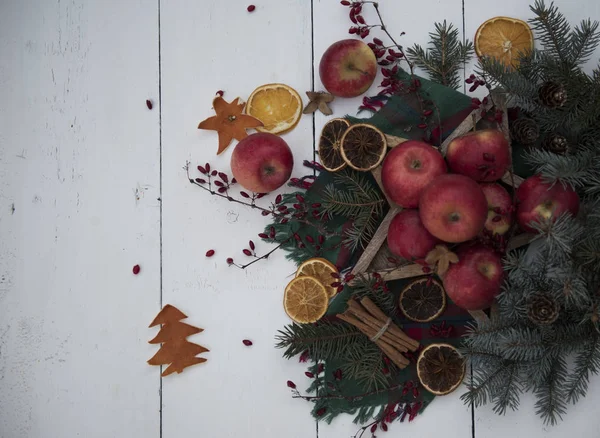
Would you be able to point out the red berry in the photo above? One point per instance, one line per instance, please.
(149, 104)
(251, 8)
(309, 374)
(247, 252)
(247, 342)
(210, 253)
(229, 261)
(220, 93)
(291, 384)
(136, 269)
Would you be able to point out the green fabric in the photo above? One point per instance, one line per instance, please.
(402, 113)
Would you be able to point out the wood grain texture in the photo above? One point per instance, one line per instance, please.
(240, 391)
(79, 185)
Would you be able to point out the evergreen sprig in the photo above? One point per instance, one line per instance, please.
(445, 55)
(325, 340)
(354, 196)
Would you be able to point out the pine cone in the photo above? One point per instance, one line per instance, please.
(525, 131)
(556, 143)
(552, 94)
(542, 309)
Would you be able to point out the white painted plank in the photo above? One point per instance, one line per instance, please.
(76, 142)
(331, 24)
(240, 391)
(581, 420)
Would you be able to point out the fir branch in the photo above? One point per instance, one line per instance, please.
(365, 365)
(507, 394)
(355, 197)
(508, 81)
(552, 28)
(365, 286)
(586, 362)
(575, 170)
(551, 404)
(445, 55)
(583, 41)
(522, 344)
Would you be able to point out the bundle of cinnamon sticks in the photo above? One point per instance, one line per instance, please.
(370, 320)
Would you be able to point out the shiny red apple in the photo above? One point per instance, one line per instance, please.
(408, 238)
(481, 155)
(262, 162)
(499, 217)
(348, 68)
(408, 168)
(541, 200)
(453, 208)
(476, 279)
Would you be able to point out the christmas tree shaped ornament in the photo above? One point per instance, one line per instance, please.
(552, 94)
(556, 143)
(175, 351)
(542, 309)
(525, 131)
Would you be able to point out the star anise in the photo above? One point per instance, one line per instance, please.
(442, 257)
(318, 100)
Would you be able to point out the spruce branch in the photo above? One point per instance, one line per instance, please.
(583, 42)
(354, 196)
(325, 340)
(552, 29)
(587, 362)
(445, 55)
(551, 403)
(365, 365)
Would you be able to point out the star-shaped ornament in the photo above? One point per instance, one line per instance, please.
(318, 100)
(229, 122)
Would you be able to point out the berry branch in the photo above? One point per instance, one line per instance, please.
(389, 58)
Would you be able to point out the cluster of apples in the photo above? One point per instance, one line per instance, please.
(458, 207)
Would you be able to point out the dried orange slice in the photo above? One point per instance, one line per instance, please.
(423, 300)
(363, 147)
(321, 269)
(504, 38)
(278, 106)
(305, 299)
(330, 153)
(440, 368)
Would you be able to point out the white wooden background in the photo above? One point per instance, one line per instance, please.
(91, 183)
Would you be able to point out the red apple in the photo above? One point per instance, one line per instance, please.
(481, 155)
(348, 68)
(407, 169)
(476, 279)
(262, 162)
(540, 200)
(499, 218)
(453, 208)
(408, 238)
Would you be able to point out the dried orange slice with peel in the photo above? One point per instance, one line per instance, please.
(305, 299)
(277, 106)
(330, 154)
(363, 147)
(504, 38)
(440, 368)
(321, 269)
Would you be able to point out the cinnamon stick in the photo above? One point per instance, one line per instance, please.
(366, 329)
(357, 310)
(377, 313)
(399, 360)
